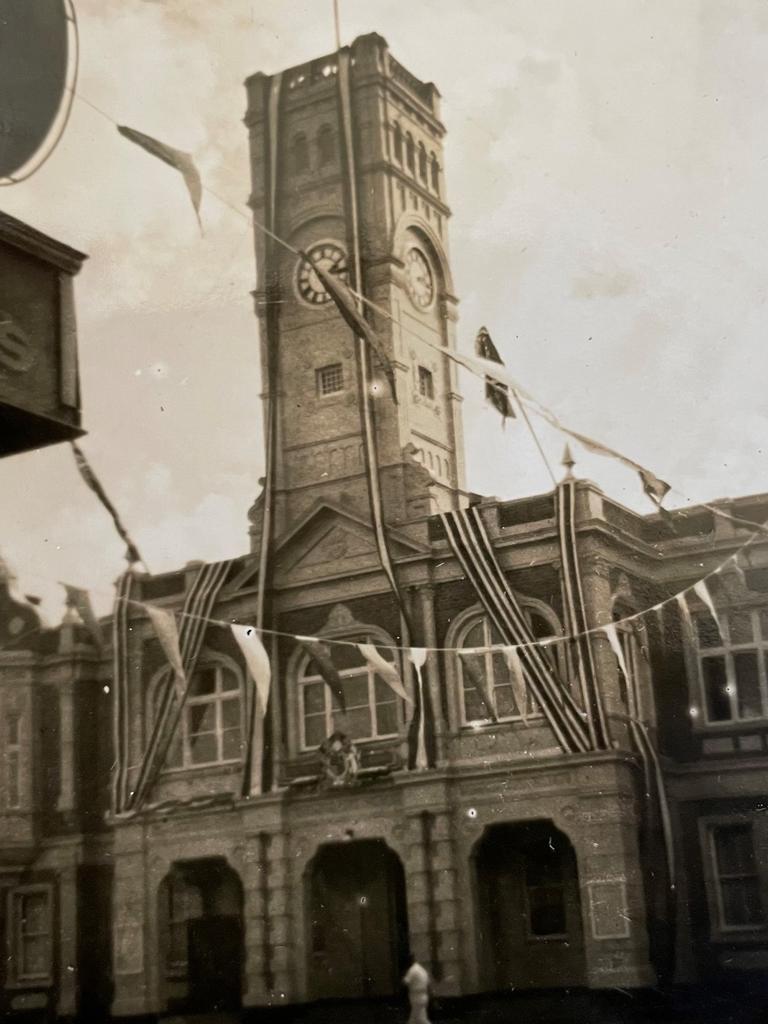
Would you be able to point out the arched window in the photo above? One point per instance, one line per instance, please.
(371, 706)
(299, 154)
(410, 153)
(422, 162)
(477, 631)
(326, 145)
(434, 168)
(210, 728)
(397, 142)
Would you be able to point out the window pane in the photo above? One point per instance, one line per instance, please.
(748, 684)
(356, 724)
(474, 709)
(741, 902)
(35, 956)
(355, 692)
(201, 718)
(474, 636)
(35, 911)
(231, 744)
(715, 682)
(386, 719)
(764, 623)
(314, 698)
(350, 657)
(203, 682)
(734, 850)
(173, 758)
(314, 730)
(506, 705)
(202, 748)
(230, 714)
(740, 626)
(228, 680)
(708, 633)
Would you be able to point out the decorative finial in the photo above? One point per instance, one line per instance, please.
(569, 462)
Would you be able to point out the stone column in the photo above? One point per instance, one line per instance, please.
(604, 833)
(269, 927)
(434, 916)
(66, 800)
(67, 1003)
(130, 937)
(427, 609)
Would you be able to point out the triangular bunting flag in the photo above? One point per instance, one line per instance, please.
(344, 301)
(495, 392)
(613, 640)
(385, 670)
(702, 592)
(517, 678)
(164, 623)
(176, 158)
(257, 660)
(476, 675)
(418, 658)
(685, 614)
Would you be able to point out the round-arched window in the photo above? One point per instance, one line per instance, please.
(491, 666)
(372, 710)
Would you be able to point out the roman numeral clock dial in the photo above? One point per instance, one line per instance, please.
(332, 258)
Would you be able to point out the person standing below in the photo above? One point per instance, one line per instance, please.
(416, 980)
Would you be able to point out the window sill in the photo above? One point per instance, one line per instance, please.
(749, 935)
(730, 728)
(29, 983)
(211, 768)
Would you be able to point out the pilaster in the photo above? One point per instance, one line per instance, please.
(130, 922)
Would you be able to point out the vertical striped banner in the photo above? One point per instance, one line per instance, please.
(470, 543)
(576, 622)
(198, 606)
(121, 709)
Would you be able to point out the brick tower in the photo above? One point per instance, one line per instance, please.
(301, 186)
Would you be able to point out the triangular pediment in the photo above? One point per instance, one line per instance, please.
(330, 541)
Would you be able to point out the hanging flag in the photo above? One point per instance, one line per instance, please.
(477, 677)
(702, 592)
(613, 639)
(385, 670)
(495, 392)
(257, 660)
(167, 633)
(345, 303)
(80, 600)
(132, 552)
(321, 656)
(517, 678)
(418, 658)
(175, 158)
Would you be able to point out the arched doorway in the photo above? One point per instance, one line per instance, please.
(529, 911)
(200, 914)
(357, 920)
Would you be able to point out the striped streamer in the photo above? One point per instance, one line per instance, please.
(576, 622)
(198, 605)
(121, 711)
(469, 541)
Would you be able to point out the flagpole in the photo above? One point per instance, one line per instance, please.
(336, 23)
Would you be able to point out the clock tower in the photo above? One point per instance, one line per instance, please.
(347, 166)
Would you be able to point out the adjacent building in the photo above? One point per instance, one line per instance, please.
(505, 862)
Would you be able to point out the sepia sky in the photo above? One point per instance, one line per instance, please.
(606, 163)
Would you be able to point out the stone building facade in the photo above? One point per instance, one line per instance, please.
(504, 863)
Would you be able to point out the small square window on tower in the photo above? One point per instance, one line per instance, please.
(426, 382)
(330, 379)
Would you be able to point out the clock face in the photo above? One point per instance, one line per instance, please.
(331, 258)
(418, 279)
